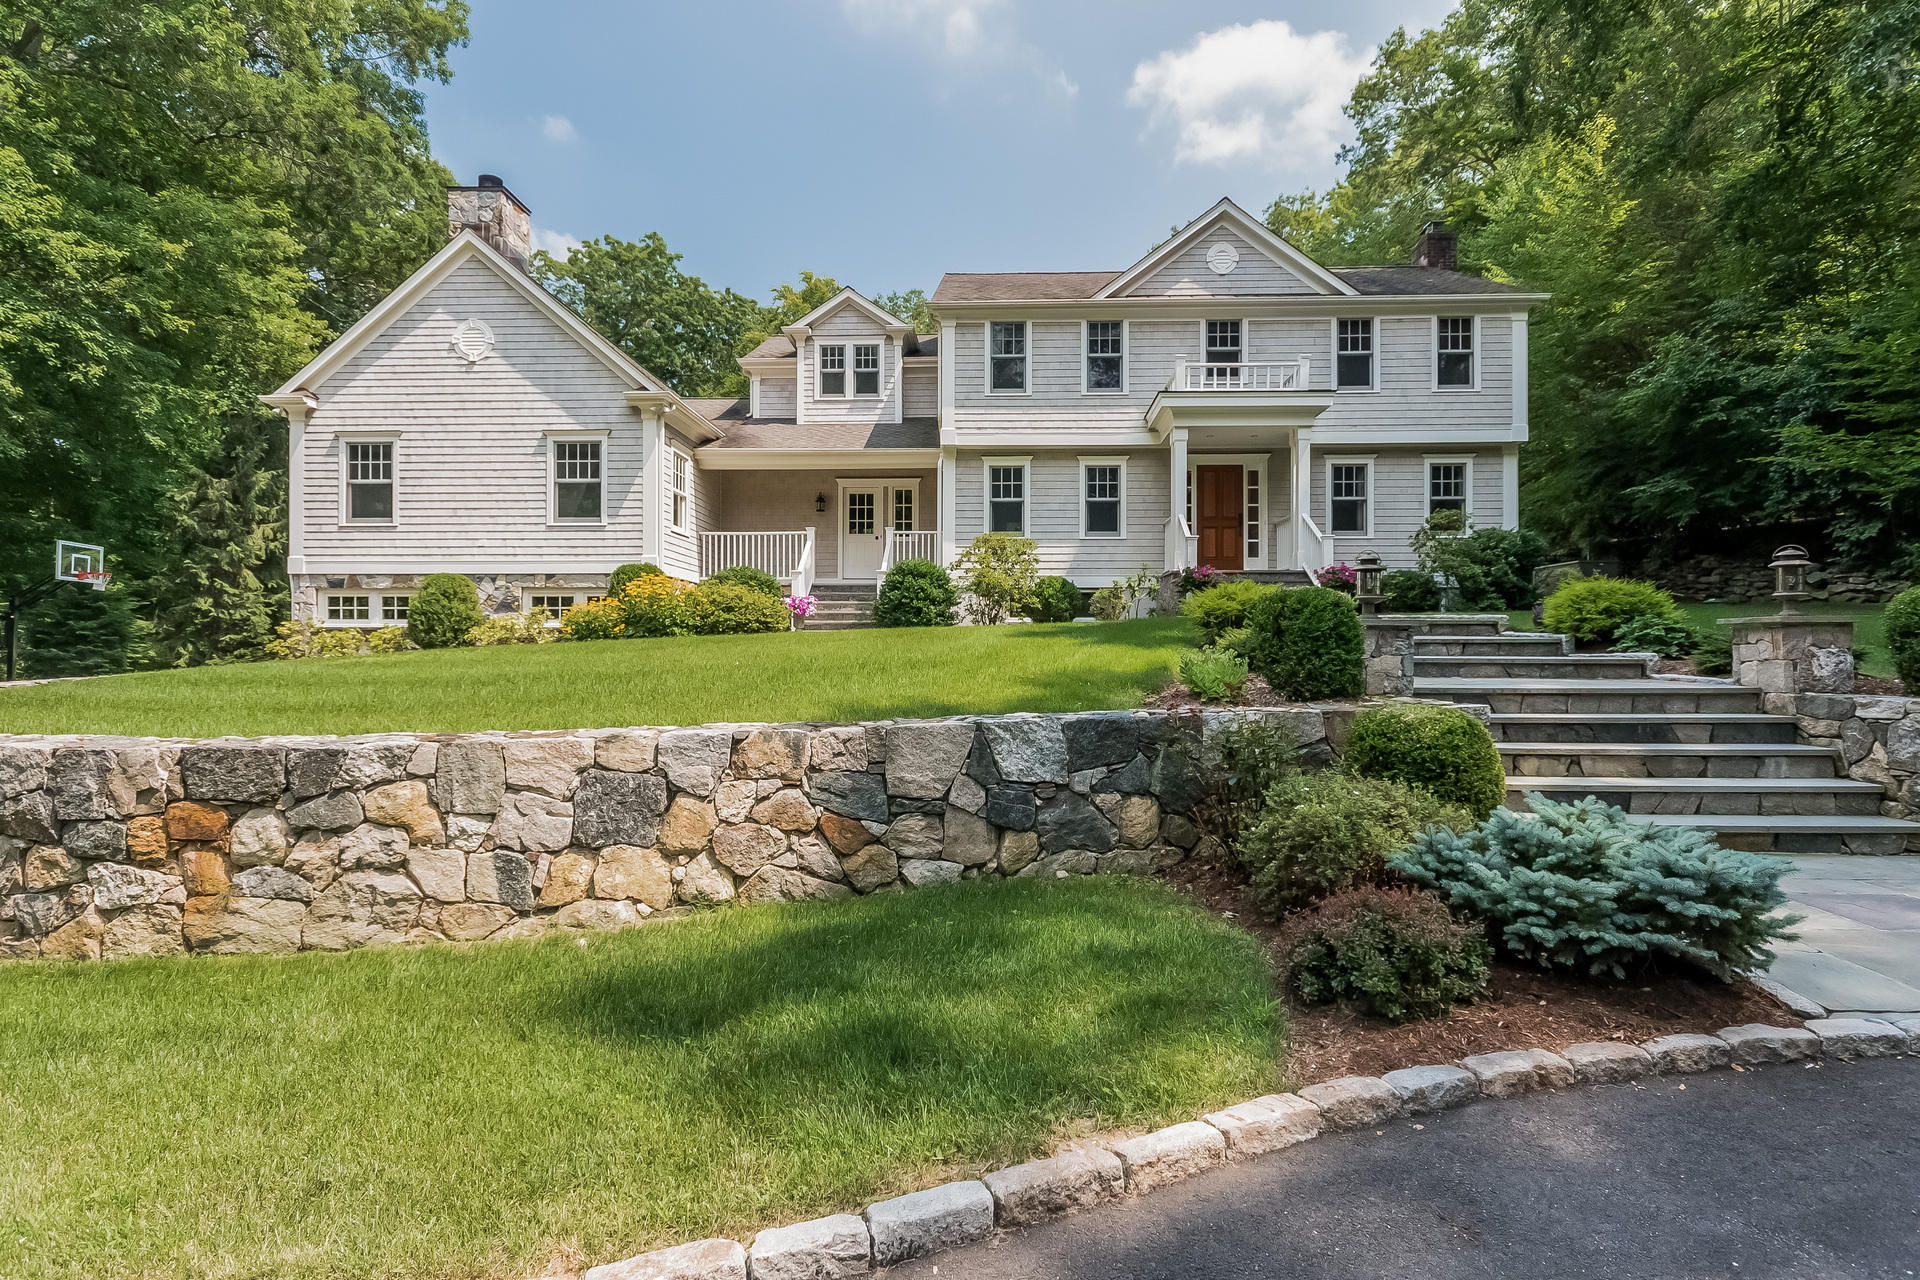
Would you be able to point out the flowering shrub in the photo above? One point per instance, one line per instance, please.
(595, 620)
(390, 640)
(1337, 576)
(512, 628)
(652, 604)
(801, 607)
(1200, 578)
(309, 639)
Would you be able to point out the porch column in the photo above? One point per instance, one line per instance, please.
(944, 486)
(653, 478)
(1177, 461)
(1303, 495)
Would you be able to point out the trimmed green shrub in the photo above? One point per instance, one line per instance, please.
(742, 575)
(627, 573)
(1109, 604)
(443, 611)
(390, 640)
(1387, 953)
(917, 593)
(1714, 657)
(1489, 568)
(1594, 608)
(1442, 750)
(1244, 761)
(1668, 637)
(1584, 887)
(1214, 675)
(1903, 638)
(1320, 833)
(716, 608)
(1409, 591)
(513, 628)
(309, 639)
(1308, 644)
(999, 570)
(1054, 600)
(1218, 610)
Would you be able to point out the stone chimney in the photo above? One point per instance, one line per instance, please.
(494, 214)
(1437, 246)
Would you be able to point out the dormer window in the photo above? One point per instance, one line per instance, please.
(833, 369)
(866, 369)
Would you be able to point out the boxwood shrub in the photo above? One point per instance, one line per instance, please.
(1903, 638)
(443, 611)
(755, 579)
(1442, 750)
(917, 593)
(1594, 608)
(1409, 591)
(1389, 953)
(1307, 643)
(716, 608)
(1054, 600)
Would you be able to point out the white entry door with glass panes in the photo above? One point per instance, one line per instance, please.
(867, 509)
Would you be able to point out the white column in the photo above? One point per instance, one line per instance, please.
(1510, 487)
(1302, 496)
(944, 479)
(1177, 464)
(653, 481)
(297, 491)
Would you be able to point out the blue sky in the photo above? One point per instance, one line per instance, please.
(886, 141)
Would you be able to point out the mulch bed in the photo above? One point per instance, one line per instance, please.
(1524, 1008)
(1177, 697)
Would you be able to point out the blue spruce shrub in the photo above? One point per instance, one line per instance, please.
(1584, 887)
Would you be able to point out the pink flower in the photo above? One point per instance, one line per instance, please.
(800, 606)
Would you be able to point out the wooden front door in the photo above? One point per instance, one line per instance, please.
(1219, 505)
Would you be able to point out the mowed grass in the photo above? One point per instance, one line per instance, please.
(1869, 624)
(486, 1112)
(824, 675)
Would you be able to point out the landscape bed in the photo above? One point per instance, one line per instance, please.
(811, 676)
(496, 1110)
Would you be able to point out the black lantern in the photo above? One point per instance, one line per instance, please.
(820, 503)
(1790, 565)
(1366, 581)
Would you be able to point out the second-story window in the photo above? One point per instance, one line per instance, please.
(1454, 353)
(1006, 355)
(1225, 353)
(866, 369)
(1353, 357)
(1106, 370)
(370, 481)
(576, 479)
(833, 370)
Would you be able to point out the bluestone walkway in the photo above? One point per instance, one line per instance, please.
(1859, 947)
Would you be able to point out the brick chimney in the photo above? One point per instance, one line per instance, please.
(494, 214)
(1437, 247)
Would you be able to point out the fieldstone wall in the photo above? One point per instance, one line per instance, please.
(1709, 577)
(1793, 654)
(1878, 738)
(500, 593)
(120, 846)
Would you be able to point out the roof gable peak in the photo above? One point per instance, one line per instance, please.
(1226, 213)
(848, 296)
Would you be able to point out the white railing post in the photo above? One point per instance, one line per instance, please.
(803, 568)
(1180, 374)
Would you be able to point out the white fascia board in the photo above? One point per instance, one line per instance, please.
(336, 566)
(1437, 438)
(1070, 438)
(1273, 305)
(813, 459)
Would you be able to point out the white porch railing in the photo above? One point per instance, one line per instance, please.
(906, 544)
(1315, 547)
(787, 554)
(1180, 549)
(1285, 375)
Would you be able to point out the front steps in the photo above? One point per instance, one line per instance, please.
(1669, 750)
(841, 606)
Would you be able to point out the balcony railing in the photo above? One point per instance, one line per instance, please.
(1284, 375)
(787, 554)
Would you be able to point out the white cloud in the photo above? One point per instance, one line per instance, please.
(559, 129)
(556, 243)
(1258, 92)
(981, 33)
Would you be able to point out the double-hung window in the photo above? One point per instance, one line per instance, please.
(1447, 484)
(1226, 352)
(866, 369)
(1353, 355)
(1349, 499)
(1106, 356)
(369, 480)
(1006, 356)
(1453, 352)
(1102, 486)
(680, 490)
(833, 369)
(577, 484)
(1007, 497)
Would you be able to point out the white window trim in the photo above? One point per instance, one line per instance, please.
(753, 396)
(1333, 364)
(674, 453)
(1373, 492)
(553, 515)
(1426, 477)
(820, 348)
(1026, 491)
(1120, 462)
(1433, 354)
(1248, 462)
(879, 371)
(373, 437)
(986, 357)
(376, 609)
(1126, 361)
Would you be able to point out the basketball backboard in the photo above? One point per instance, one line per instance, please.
(81, 562)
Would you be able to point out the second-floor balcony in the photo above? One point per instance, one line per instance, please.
(1271, 375)
(1242, 394)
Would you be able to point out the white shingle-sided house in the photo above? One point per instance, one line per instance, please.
(1222, 401)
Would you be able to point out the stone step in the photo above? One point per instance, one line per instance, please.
(1694, 728)
(1494, 666)
(1523, 644)
(1662, 695)
(845, 591)
(1716, 796)
(1667, 760)
(1452, 624)
(1856, 834)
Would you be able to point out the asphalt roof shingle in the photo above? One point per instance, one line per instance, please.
(1073, 286)
(742, 432)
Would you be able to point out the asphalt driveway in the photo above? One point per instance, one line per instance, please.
(1789, 1171)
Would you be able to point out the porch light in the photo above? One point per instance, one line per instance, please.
(1366, 581)
(1790, 565)
(820, 502)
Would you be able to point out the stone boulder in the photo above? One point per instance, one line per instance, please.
(636, 874)
(272, 882)
(569, 878)
(1027, 748)
(440, 873)
(360, 909)
(612, 808)
(235, 926)
(862, 796)
(501, 876)
(1070, 821)
(254, 774)
(705, 882)
(470, 776)
(772, 753)
(258, 839)
(534, 823)
(744, 848)
(779, 884)
(923, 758)
(103, 840)
(550, 766)
(116, 887)
(695, 759)
(152, 930)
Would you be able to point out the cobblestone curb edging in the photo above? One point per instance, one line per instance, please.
(928, 1222)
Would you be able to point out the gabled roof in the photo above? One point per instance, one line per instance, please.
(848, 297)
(1019, 286)
(461, 249)
(1255, 231)
(780, 347)
(1384, 281)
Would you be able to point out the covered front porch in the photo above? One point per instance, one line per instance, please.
(813, 528)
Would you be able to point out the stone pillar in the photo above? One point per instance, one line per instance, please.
(1389, 650)
(1793, 653)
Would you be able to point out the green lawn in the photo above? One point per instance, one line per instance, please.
(1869, 625)
(824, 675)
(481, 1112)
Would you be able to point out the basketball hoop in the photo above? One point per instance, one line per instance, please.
(95, 578)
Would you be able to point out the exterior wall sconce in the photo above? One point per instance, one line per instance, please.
(820, 503)
(1366, 582)
(1790, 565)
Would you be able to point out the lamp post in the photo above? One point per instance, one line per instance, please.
(1790, 565)
(1366, 582)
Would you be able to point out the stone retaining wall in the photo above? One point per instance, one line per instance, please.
(1878, 738)
(1747, 577)
(122, 846)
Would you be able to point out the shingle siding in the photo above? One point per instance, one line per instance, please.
(1188, 275)
(1053, 518)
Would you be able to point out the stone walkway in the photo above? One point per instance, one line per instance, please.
(1859, 948)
